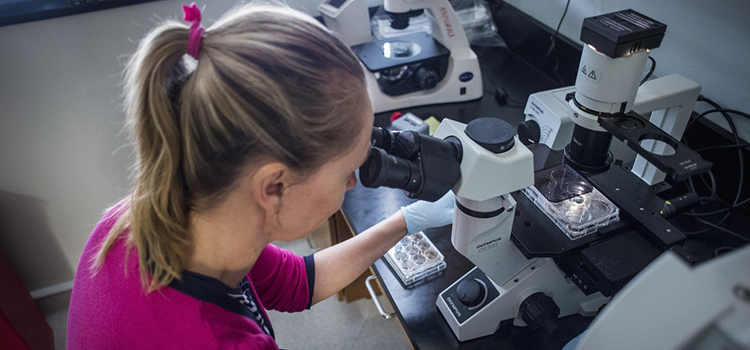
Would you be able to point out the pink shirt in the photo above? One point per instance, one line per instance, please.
(111, 310)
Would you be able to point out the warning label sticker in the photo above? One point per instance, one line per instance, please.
(591, 73)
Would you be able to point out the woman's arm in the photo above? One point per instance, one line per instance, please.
(340, 264)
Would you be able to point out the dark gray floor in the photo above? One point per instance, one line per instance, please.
(329, 324)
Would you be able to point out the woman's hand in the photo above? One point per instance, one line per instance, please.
(423, 214)
(340, 264)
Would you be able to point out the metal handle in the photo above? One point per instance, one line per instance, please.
(375, 298)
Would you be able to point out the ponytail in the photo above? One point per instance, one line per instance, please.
(156, 212)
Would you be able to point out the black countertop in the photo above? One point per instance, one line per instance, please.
(416, 306)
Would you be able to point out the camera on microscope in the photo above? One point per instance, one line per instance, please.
(423, 166)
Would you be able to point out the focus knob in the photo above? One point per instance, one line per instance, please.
(529, 132)
(540, 312)
(470, 292)
(427, 78)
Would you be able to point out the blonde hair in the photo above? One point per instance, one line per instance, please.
(269, 82)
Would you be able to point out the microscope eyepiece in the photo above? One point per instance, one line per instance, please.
(382, 169)
(423, 166)
(382, 138)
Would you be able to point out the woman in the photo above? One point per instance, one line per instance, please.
(252, 137)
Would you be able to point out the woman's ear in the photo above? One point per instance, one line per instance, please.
(268, 186)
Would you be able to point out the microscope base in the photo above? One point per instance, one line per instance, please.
(462, 82)
(500, 303)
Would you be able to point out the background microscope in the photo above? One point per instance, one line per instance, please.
(412, 69)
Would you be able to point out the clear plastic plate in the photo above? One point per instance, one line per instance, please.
(415, 258)
(574, 205)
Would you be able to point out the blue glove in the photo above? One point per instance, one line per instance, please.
(422, 215)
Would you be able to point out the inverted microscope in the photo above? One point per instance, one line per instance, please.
(552, 232)
(413, 69)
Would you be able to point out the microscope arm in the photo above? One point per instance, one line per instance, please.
(481, 232)
(483, 218)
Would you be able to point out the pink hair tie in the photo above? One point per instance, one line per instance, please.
(193, 15)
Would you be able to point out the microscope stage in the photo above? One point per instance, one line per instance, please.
(399, 51)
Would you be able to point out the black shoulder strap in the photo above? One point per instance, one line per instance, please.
(213, 291)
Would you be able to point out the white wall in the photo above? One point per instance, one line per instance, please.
(706, 41)
(63, 156)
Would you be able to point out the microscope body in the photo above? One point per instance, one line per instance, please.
(504, 284)
(484, 216)
(484, 211)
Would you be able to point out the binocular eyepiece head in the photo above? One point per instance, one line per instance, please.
(424, 167)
